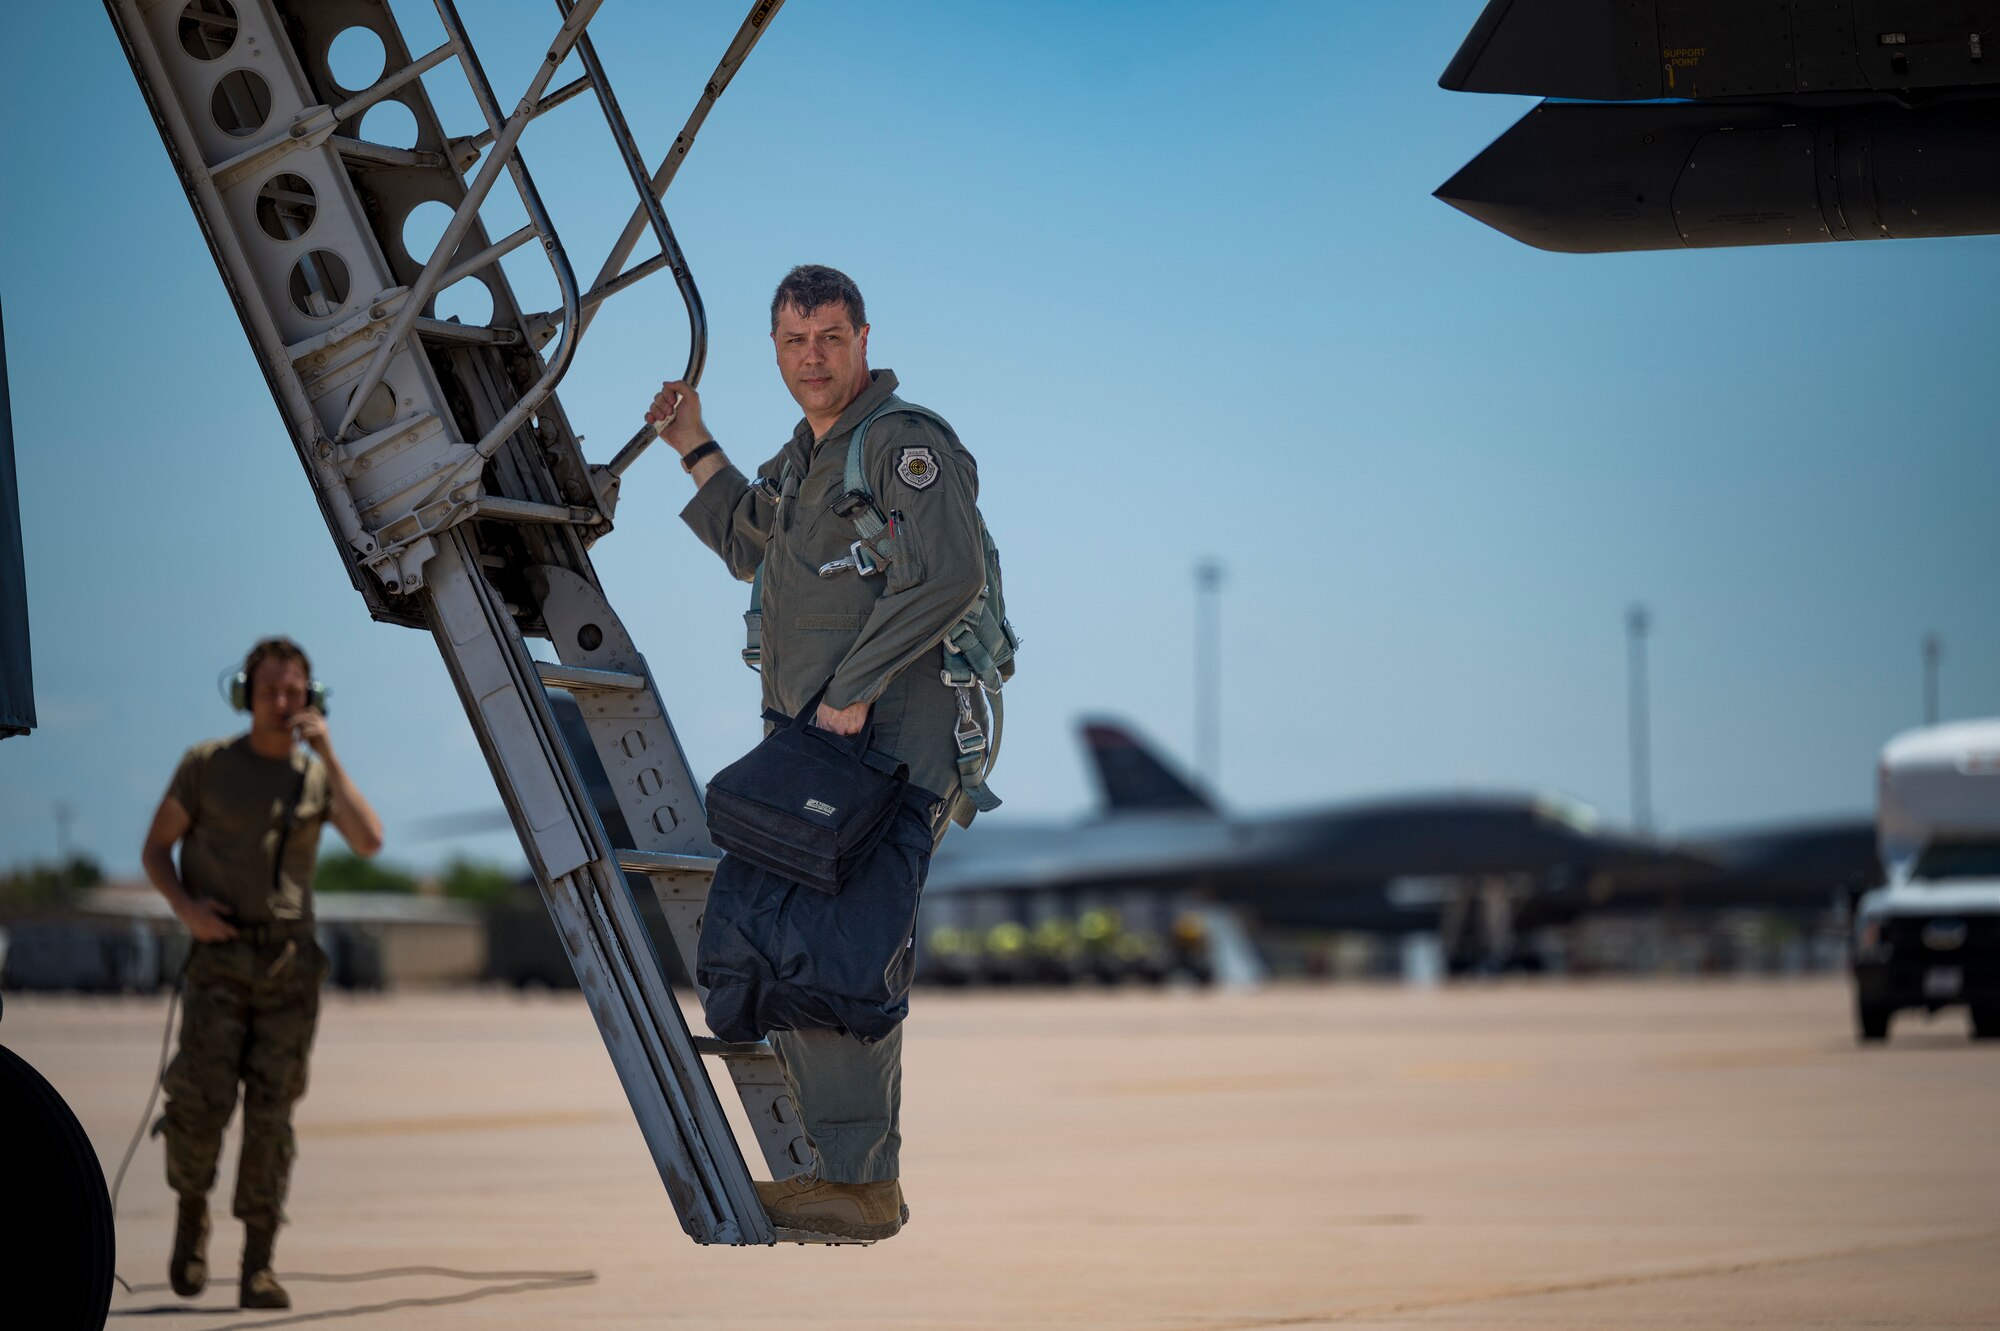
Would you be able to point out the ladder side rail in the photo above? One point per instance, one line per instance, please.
(661, 802)
(649, 206)
(573, 30)
(610, 280)
(503, 157)
(650, 1046)
(754, 26)
(690, 1076)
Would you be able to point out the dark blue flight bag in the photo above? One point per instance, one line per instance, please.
(806, 804)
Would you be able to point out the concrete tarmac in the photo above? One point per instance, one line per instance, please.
(1536, 1155)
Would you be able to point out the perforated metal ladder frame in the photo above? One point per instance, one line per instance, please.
(478, 631)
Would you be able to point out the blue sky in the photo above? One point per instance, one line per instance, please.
(1175, 273)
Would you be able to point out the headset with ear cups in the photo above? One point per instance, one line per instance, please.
(236, 686)
(239, 693)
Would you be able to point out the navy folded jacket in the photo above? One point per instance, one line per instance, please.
(776, 955)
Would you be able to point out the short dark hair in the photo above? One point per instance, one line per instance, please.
(811, 285)
(272, 649)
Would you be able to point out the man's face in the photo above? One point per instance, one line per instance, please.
(823, 357)
(277, 694)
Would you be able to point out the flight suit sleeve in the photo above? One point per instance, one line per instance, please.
(731, 518)
(928, 486)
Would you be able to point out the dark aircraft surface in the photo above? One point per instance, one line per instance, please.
(1392, 865)
(1692, 123)
(17, 681)
(1481, 868)
(1379, 865)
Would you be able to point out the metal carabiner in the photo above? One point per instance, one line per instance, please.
(859, 558)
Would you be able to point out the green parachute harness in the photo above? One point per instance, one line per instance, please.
(978, 647)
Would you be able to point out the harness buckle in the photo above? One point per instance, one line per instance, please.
(859, 558)
(850, 502)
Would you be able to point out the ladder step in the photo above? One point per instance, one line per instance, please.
(444, 330)
(526, 510)
(821, 1240)
(656, 861)
(708, 1044)
(381, 154)
(581, 679)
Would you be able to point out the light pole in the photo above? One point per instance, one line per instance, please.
(1933, 654)
(1638, 621)
(1208, 672)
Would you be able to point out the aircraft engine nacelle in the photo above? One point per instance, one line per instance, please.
(1594, 177)
(1782, 122)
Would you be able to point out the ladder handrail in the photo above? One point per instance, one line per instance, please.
(610, 280)
(649, 207)
(754, 26)
(504, 155)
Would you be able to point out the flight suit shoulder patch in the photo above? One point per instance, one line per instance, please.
(917, 466)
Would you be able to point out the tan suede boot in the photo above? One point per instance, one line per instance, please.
(259, 1288)
(187, 1270)
(868, 1211)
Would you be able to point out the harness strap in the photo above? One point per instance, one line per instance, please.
(868, 521)
(969, 666)
(976, 750)
(753, 623)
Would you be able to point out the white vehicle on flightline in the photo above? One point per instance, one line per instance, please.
(1930, 937)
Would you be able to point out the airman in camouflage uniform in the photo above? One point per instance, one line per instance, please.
(246, 813)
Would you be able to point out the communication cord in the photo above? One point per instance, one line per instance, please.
(152, 1098)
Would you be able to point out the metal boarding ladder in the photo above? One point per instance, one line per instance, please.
(455, 488)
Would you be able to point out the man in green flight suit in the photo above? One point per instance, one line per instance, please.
(246, 813)
(873, 641)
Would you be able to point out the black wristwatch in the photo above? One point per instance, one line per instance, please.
(697, 453)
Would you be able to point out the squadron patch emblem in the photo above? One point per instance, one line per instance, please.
(918, 467)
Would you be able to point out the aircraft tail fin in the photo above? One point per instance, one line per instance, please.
(1133, 777)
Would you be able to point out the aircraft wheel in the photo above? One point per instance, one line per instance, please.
(1872, 1023)
(1986, 1023)
(66, 1255)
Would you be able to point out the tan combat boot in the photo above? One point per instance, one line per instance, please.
(187, 1271)
(260, 1288)
(845, 1210)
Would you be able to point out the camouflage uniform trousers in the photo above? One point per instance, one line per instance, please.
(248, 1017)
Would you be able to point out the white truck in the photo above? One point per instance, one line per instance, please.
(1930, 936)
